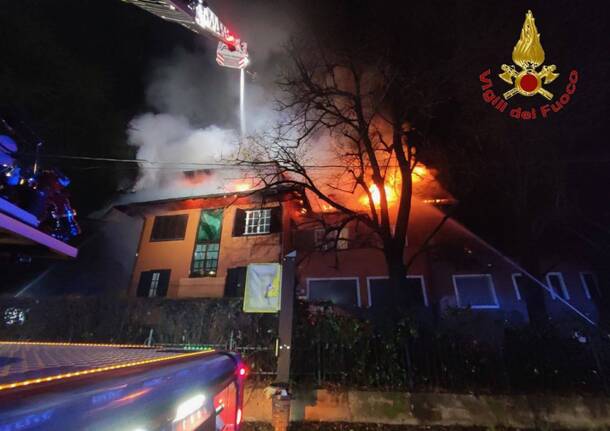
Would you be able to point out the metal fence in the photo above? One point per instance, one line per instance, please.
(339, 350)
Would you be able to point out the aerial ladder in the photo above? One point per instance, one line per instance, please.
(197, 16)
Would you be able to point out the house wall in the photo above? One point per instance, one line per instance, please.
(177, 255)
(570, 272)
(454, 251)
(104, 264)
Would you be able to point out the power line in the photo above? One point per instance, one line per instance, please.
(245, 165)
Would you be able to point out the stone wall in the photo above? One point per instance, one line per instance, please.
(532, 411)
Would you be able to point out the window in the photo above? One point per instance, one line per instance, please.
(207, 244)
(475, 291)
(339, 291)
(205, 259)
(518, 284)
(169, 228)
(261, 221)
(380, 296)
(326, 240)
(554, 280)
(154, 285)
(589, 284)
(258, 221)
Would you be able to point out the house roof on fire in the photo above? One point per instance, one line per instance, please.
(278, 192)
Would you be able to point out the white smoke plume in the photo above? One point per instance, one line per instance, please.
(194, 120)
(178, 146)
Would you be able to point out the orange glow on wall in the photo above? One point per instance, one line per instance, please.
(326, 207)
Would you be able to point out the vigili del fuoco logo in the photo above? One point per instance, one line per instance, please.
(529, 78)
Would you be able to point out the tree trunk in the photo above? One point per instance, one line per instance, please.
(403, 297)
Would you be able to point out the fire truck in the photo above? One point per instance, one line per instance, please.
(105, 387)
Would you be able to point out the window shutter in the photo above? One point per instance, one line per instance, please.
(235, 282)
(239, 225)
(276, 219)
(163, 282)
(144, 284)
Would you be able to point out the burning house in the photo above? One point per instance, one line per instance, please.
(449, 267)
(201, 246)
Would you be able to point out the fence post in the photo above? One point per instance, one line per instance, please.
(285, 319)
(280, 407)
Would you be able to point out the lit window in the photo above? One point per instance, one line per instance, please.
(258, 221)
(154, 285)
(475, 291)
(205, 259)
(554, 280)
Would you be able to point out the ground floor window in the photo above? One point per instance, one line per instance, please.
(554, 280)
(339, 291)
(380, 296)
(476, 291)
(518, 284)
(589, 284)
(153, 283)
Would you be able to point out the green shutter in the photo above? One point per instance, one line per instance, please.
(209, 226)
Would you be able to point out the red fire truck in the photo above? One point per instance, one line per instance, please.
(103, 387)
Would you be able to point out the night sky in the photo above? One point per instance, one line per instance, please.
(75, 72)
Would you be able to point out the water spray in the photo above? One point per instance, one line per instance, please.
(525, 272)
(242, 112)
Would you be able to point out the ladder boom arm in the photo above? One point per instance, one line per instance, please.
(194, 15)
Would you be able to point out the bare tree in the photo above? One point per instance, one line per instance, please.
(369, 115)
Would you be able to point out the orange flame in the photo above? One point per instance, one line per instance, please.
(242, 187)
(376, 196)
(392, 184)
(419, 172)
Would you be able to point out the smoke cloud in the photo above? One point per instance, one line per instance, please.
(178, 146)
(192, 129)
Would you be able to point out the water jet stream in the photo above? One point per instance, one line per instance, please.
(242, 113)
